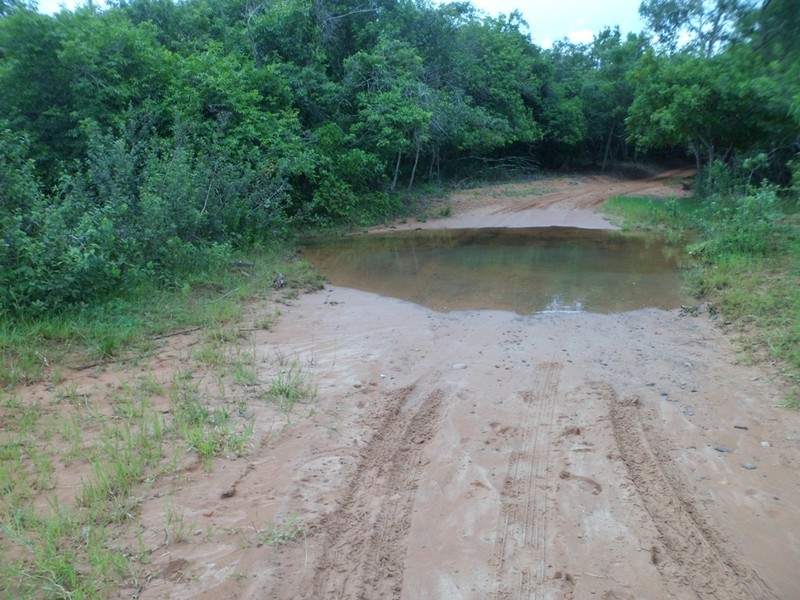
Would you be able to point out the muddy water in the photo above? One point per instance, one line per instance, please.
(520, 270)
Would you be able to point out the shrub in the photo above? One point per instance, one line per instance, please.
(139, 209)
(741, 223)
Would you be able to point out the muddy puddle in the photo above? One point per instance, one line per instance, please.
(526, 271)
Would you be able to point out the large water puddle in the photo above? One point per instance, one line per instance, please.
(520, 270)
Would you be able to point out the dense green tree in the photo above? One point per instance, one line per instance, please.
(9, 6)
(728, 94)
(590, 94)
(34, 85)
(285, 31)
(701, 26)
(774, 53)
(608, 93)
(111, 66)
(711, 106)
(563, 103)
(349, 26)
(393, 101)
(18, 185)
(496, 67)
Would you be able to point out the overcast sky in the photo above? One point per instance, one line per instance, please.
(549, 20)
(53, 6)
(578, 20)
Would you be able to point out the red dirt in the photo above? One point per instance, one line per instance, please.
(562, 201)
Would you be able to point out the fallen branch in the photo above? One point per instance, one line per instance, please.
(176, 333)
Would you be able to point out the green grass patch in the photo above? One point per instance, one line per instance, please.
(280, 534)
(207, 430)
(634, 212)
(125, 439)
(72, 551)
(129, 327)
(758, 295)
(67, 551)
(290, 386)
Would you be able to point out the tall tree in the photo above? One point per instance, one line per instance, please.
(608, 92)
(711, 106)
(112, 65)
(34, 85)
(702, 26)
(9, 6)
(496, 66)
(394, 102)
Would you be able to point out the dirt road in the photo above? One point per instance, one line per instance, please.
(488, 455)
(562, 201)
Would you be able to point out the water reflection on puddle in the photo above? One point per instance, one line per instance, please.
(558, 269)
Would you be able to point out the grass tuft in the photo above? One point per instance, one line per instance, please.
(292, 384)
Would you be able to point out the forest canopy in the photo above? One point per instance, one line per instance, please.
(148, 139)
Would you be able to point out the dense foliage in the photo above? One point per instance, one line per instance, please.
(149, 139)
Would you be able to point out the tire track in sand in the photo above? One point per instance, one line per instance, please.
(594, 190)
(522, 526)
(365, 537)
(696, 553)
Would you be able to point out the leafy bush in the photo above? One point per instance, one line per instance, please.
(18, 185)
(736, 223)
(140, 209)
(719, 180)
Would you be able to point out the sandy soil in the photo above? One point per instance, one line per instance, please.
(491, 455)
(564, 201)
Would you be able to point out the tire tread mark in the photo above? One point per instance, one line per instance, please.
(522, 523)
(696, 550)
(364, 547)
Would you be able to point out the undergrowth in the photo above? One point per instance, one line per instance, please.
(128, 327)
(672, 214)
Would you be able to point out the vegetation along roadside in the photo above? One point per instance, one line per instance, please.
(99, 426)
(744, 246)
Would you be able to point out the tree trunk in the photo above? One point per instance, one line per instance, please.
(436, 161)
(697, 157)
(593, 153)
(608, 148)
(396, 170)
(414, 170)
(711, 159)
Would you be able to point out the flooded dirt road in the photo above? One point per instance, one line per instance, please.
(488, 455)
(522, 270)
